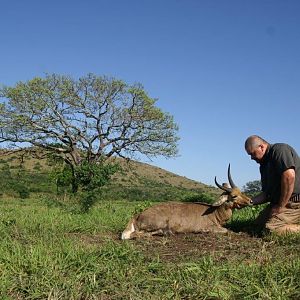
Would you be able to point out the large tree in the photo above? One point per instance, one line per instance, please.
(89, 119)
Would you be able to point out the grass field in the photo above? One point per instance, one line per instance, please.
(49, 251)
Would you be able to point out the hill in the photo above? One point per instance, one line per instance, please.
(136, 180)
(141, 181)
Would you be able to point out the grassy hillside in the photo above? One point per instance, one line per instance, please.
(50, 251)
(135, 180)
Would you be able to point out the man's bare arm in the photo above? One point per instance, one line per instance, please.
(287, 186)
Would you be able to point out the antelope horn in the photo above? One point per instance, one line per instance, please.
(222, 187)
(230, 179)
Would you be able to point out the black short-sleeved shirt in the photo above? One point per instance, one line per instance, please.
(277, 159)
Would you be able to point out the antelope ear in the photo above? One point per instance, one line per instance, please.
(221, 200)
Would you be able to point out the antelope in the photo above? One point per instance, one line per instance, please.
(180, 217)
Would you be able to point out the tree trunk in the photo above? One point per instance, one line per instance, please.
(74, 185)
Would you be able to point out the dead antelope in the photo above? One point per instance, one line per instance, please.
(178, 217)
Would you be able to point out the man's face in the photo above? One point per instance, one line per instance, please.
(257, 153)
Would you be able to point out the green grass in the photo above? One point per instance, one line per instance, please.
(135, 181)
(48, 251)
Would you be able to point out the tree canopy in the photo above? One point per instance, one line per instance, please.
(252, 188)
(88, 119)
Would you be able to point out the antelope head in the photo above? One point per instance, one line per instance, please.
(232, 194)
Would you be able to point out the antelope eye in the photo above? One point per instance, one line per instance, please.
(233, 197)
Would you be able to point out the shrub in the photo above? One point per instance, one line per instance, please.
(23, 190)
(202, 197)
(37, 166)
(91, 177)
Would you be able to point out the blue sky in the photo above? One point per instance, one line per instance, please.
(223, 69)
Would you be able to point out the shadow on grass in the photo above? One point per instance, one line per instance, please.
(246, 226)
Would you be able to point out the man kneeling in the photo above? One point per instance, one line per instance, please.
(280, 178)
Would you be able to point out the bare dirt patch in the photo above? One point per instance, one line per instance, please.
(194, 246)
(231, 246)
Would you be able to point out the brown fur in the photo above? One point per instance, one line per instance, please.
(178, 217)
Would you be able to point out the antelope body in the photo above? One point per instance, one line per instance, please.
(179, 217)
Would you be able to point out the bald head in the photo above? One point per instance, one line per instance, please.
(254, 141)
(256, 147)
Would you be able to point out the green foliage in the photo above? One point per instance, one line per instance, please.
(252, 188)
(91, 119)
(87, 200)
(125, 115)
(23, 190)
(154, 192)
(94, 175)
(87, 177)
(200, 197)
(61, 255)
(16, 181)
(91, 177)
(37, 166)
(64, 177)
(57, 179)
(242, 220)
(141, 206)
(5, 170)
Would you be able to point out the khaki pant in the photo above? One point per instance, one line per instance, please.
(287, 221)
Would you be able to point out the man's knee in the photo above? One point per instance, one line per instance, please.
(284, 229)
